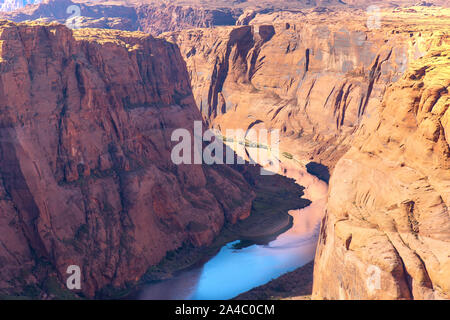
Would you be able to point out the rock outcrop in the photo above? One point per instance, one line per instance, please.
(11, 5)
(314, 82)
(86, 176)
(85, 120)
(79, 14)
(157, 16)
(387, 230)
(156, 20)
(323, 87)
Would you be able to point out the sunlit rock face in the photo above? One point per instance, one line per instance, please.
(156, 16)
(11, 5)
(369, 101)
(152, 18)
(86, 176)
(387, 230)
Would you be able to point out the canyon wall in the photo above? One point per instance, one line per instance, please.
(86, 176)
(314, 82)
(85, 120)
(387, 230)
(158, 16)
(11, 5)
(155, 20)
(151, 18)
(94, 16)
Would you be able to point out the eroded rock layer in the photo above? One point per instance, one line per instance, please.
(86, 176)
(87, 121)
(328, 88)
(157, 16)
(387, 230)
(313, 81)
(152, 18)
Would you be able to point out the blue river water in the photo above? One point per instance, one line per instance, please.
(234, 271)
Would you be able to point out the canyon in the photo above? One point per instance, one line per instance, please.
(158, 16)
(329, 89)
(87, 116)
(389, 194)
(314, 81)
(86, 174)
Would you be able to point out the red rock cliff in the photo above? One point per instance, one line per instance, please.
(322, 81)
(387, 230)
(85, 171)
(313, 81)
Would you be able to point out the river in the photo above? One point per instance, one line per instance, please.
(233, 271)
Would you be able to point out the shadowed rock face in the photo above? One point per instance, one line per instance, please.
(157, 16)
(387, 230)
(85, 171)
(324, 82)
(156, 20)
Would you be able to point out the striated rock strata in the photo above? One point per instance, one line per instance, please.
(314, 82)
(152, 18)
(328, 88)
(85, 171)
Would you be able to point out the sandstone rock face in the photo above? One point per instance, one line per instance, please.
(156, 20)
(387, 230)
(313, 81)
(157, 16)
(150, 18)
(86, 176)
(11, 5)
(94, 16)
(85, 171)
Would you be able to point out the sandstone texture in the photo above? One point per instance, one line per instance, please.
(86, 176)
(387, 230)
(156, 20)
(329, 89)
(314, 82)
(157, 16)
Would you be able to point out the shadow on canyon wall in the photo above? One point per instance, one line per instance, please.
(319, 170)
